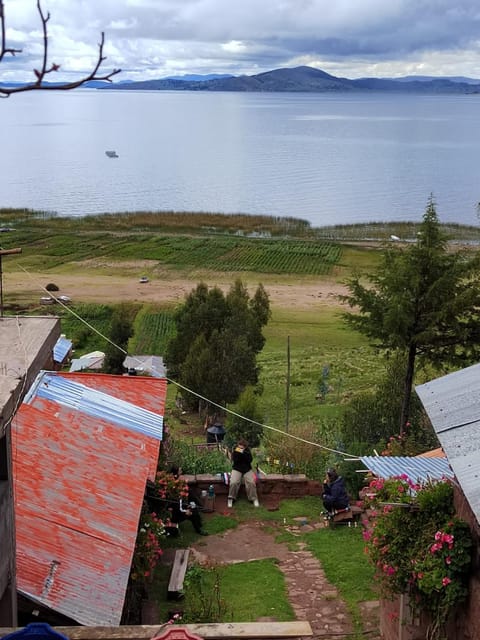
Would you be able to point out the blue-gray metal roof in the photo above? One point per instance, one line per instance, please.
(97, 404)
(418, 469)
(452, 403)
(61, 349)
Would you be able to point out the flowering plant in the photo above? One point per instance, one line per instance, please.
(168, 487)
(147, 547)
(418, 546)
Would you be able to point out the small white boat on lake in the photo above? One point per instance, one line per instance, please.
(111, 154)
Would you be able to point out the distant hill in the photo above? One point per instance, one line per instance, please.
(195, 77)
(462, 79)
(300, 79)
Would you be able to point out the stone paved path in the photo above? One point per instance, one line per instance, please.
(312, 597)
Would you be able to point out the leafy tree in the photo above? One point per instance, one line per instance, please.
(120, 331)
(424, 302)
(248, 428)
(217, 340)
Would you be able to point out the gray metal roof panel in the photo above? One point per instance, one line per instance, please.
(418, 469)
(452, 403)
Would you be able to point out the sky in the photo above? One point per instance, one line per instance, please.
(158, 38)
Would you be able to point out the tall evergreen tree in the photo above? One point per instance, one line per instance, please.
(121, 330)
(424, 301)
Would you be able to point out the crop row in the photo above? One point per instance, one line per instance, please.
(152, 331)
(236, 254)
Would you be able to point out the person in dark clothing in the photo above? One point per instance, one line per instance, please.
(334, 492)
(185, 509)
(242, 469)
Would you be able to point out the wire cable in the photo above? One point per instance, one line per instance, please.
(184, 388)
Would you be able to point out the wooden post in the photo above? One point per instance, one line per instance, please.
(4, 252)
(287, 394)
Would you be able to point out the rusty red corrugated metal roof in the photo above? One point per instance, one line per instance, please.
(79, 483)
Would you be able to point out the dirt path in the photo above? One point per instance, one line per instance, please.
(109, 289)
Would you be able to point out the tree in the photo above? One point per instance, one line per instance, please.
(120, 331)
(46, 67)
(248, 426)
(424, 302)
(371, 418)
(217, 340)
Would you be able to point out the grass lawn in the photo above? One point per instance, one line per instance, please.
(249, 590)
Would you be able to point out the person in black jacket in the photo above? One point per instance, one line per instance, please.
(185, 509)
(334, 492)
(242, 469)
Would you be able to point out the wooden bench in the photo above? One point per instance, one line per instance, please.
(346, 516)
(177, 575)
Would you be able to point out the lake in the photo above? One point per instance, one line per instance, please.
(325, 158)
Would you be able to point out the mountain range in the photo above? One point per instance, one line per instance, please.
(302, 79)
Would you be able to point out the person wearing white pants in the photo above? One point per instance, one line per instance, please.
(242, 469)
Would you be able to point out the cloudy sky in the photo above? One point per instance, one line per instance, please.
(158, 38)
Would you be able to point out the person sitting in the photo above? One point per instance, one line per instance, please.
(335, 497)
(242, 468)
(185, 509)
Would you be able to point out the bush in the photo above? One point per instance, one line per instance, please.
(193, 459)
(418, 546)
(291, 455)
(52, 287)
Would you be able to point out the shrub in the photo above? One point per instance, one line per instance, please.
(296, 455)
(147, 547)
(194, 459)
(418, 546)
(52, 287)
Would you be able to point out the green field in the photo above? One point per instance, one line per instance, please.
(328, 361)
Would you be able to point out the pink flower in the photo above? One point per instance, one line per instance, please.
(438, 536)
(446, 581)
(448, 560)
(435, 547)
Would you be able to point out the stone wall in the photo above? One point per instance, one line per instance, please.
(280, 486)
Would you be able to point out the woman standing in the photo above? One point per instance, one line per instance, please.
(242, 468)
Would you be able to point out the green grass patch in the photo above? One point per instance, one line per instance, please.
(340, 551)
(153, 327)
(319, 342)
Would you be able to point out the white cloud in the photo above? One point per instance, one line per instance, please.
(154, 38)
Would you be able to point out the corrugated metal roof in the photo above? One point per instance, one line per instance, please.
(418, 469)
(86, 362)
(61, 349)
(452, 403)
(153, 365)
(79, 484)
(71, 393)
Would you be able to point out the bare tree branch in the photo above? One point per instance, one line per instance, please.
(45, 67)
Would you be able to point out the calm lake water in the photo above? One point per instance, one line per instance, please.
(329, 159)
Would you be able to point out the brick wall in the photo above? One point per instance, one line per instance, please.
(280, 486)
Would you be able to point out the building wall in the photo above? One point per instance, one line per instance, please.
(26, 347)
(469, 626)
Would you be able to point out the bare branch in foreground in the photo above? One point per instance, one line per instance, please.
(47, 68)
